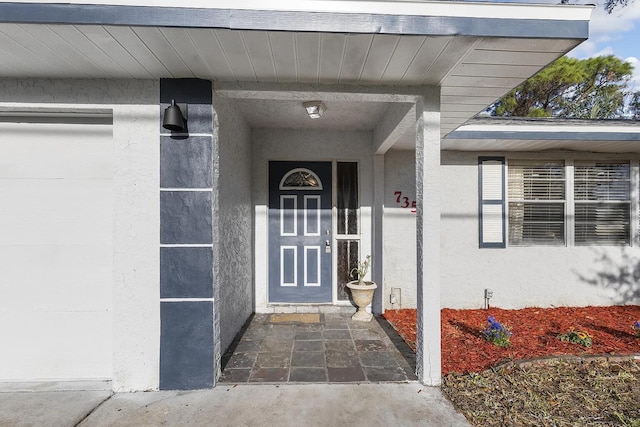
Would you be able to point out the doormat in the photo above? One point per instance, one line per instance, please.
(294, 318)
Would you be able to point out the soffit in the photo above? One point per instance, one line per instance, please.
(460, 54)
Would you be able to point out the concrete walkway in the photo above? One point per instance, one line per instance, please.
(389, 404)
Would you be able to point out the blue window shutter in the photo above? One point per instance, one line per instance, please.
(491, 202)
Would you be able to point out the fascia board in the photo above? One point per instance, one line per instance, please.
(461, 9)
(409, 8)
(555, 132)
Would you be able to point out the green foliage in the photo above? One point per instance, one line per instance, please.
(609, 5)
(577, 337)
(592, 88)
(361, 270)
(497, 333)
(634, 105)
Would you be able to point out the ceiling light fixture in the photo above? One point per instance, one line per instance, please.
(315, 109)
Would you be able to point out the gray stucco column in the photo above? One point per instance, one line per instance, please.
(378, 223)
(428, 357)
(187, 336)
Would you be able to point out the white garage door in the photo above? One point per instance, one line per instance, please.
(56, 250)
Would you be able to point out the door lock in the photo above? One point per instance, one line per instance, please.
(327, 247)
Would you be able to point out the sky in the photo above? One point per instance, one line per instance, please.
(615, 34)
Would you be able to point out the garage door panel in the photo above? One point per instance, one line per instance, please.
(67, 278)
(49, 212)
(56, 246)
(55, 151)
(56, 345)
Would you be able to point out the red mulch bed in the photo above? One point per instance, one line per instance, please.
(534, 333)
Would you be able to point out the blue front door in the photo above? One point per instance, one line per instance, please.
(300, 232)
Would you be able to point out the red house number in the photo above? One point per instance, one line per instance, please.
(404, 202)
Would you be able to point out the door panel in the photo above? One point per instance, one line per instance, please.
(300, 232)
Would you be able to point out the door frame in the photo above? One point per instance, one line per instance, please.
(365, 243)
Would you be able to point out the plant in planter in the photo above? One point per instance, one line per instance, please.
(362, 290)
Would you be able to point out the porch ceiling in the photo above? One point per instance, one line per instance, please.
(473, 63)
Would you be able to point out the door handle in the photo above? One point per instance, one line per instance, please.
(327, 246)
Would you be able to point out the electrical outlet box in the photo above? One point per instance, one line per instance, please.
(396, 296)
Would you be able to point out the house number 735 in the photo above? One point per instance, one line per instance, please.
(404, 201)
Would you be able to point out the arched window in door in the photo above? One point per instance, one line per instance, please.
(300, 179)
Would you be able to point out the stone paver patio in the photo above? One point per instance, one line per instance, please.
(335, 350)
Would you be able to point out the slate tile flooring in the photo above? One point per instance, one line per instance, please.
(336, 350)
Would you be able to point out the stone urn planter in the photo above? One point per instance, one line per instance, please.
(362, 294)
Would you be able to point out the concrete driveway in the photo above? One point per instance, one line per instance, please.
(388, 404)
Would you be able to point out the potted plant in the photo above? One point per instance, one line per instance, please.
(362, 290)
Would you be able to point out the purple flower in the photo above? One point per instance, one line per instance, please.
(496, 333)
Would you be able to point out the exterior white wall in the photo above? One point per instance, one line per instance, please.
(136, 262)
(305, 145)
(134, 309)
(233, 221)
(399, 237)
(540, 276)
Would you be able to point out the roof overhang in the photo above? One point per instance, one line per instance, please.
(530, 135)
(475, 52)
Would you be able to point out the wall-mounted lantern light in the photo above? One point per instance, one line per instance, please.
(174, 120)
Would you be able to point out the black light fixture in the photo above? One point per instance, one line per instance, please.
(173, 118)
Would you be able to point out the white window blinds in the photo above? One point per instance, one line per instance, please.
(602, 203)
(491, 201)
(536, 203)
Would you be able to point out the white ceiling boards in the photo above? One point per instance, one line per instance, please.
(474, 51)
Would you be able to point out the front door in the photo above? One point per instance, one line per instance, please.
(300, 232)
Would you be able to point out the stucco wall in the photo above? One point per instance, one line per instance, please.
(289, 144)
(233, 220)
(135, 284)
(522, 276)
(519, 276)
(399, 229)
(136, 264)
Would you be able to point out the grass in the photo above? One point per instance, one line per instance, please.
(595, 392)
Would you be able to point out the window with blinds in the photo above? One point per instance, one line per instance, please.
(602, 203)
(536, 203)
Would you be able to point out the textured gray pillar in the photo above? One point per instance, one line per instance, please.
(428, 357)
(378, 224)
(187, 344)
